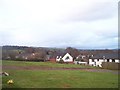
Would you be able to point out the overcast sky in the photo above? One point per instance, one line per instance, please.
(85, 24)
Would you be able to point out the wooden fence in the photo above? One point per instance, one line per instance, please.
(111, 65)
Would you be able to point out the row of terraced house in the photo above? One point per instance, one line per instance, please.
(92, 60)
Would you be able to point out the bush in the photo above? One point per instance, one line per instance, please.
(111, 65)
(61, 61)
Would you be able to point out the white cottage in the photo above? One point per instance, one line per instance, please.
(81, 59)
(66, 58)
(97, 60)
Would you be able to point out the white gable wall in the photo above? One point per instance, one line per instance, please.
(70, 59)
(58, 58)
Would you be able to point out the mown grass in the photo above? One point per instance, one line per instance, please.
(58, 78)
(44, 64)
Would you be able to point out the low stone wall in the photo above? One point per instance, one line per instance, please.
(111, 65)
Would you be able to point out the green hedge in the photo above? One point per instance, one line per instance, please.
(111, 65)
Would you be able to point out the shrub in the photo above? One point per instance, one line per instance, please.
(110, 65)
(61, 61)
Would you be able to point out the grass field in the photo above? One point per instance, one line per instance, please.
(38, 78)
(43, 64)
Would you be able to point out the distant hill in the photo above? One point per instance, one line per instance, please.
(13, 52)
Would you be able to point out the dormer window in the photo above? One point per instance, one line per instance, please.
(67, 58)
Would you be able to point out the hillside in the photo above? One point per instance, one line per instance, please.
(40, 53)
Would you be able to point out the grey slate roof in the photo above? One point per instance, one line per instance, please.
(106, 55)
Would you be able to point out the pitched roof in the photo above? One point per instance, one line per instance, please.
(63, 54)
(106, 55)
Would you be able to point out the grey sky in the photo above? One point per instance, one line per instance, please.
(59, 23)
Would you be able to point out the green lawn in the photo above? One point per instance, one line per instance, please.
(44, 64)
(57, 78)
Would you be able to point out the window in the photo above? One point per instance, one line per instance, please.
(92, 60)
(67, 58)
(82, 60)
(113, 60)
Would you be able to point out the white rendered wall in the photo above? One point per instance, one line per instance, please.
(117, 61)
(58, 58)
(110, 60)
(67, 60)
(91, 63)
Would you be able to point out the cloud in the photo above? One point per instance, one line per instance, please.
(59, 23)
(93, 11)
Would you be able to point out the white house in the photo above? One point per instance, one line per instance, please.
(66, 58)
(97, 60)
(81, 59)
(58, 58)
(91, 62)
